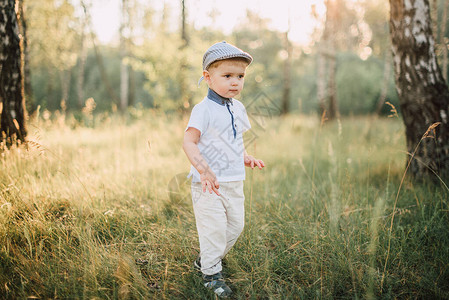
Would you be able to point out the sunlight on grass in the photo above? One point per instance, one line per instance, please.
(83, 203)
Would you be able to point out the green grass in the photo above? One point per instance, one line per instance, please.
(83, 203)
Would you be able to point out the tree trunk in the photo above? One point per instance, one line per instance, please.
(26, 82)
(334, 112)
(184, 36)
(423, 93)
(12, 101)
(124, 69)
(332, 15)
(443, 39)
(104, 77)
(322, 59)
(183, 74)
(124, 83)
(321, 79)
(434, 18)
(385, 83)
(132, 88)
(329, 54)
(66, 78)
(82, 63)
(287, 78)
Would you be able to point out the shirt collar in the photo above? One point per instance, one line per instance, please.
(212, 95)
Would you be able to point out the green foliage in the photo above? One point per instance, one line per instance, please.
(53, 31)
(81, 205)
(359, 84)
(160, 64)
(376, 16)
(53, 41)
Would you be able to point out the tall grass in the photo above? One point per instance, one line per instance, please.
(103, 211)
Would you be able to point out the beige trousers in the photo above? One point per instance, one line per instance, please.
(219, 221)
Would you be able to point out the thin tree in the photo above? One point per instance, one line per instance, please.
(286, 89)
(99, 58)
(321, 67)
(332, 22)
(21, 18)
(82, 61)
(443, 39)
(423, 93)
(327, 63)
(434, 16)
(124, 69)
(12, 100)
(385, 84)
(185, 91)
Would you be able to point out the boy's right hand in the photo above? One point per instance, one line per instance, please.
(209, 181)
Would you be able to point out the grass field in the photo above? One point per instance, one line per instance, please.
(83, 203)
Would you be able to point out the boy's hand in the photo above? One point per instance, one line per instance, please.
(209, 181)
(251, 162)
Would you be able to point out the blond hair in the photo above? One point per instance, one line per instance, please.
(236, 60)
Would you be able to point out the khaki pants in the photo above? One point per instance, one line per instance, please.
(219, 221)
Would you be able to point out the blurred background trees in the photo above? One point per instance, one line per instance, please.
(155, 61)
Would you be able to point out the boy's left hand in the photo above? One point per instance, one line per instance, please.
(251, 161)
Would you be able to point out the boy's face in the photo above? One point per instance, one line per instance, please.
(227, 78)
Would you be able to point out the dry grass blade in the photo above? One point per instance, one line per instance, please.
(394, 112)
(412, 156)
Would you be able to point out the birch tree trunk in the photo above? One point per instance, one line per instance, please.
(334, 111)
(124, 70)
(186, 96)
(332, 24)
(287, 76)
(82, 63)
(66, 77)
(443, 38)
(25, 52)
(385, 83)
(434, 18)
(423, 93)
(321, 79)
(322, 61)
(12, 100)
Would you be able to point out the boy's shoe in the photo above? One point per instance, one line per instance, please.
(217, 284)
(197, 264)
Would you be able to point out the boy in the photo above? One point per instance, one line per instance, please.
(213, 143)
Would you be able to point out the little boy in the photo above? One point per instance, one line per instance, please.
(213, 143)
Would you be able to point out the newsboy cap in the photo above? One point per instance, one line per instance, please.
(221, 51)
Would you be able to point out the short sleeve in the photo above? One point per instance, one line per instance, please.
(199, 118)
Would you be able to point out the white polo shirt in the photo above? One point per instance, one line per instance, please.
(220, 145)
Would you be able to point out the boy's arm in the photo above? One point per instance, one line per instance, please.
(190, 146)
(251, 161)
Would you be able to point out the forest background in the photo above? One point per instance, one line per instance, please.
(70, 65)
(96, 204)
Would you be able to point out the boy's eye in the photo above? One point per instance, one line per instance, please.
(241, 76)
(227, 76)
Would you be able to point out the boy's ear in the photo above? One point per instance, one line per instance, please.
(206, 76)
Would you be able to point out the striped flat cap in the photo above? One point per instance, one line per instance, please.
(223, 50)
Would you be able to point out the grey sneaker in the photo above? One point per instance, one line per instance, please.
(217, 284)
(197, 264)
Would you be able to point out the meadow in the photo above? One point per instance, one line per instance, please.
(100, 208)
